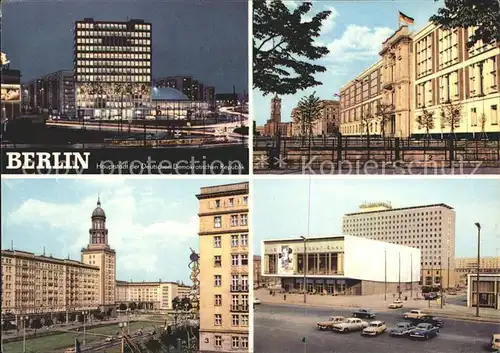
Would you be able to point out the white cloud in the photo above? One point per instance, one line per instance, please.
(358, 43)
(329, 23)
(291, 4)
(140, 229)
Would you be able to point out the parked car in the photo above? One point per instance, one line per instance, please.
(364, 313)
(349, 325)
(328, 325)
(396, 304)
(374, 328)
(256, 301)
(431, 296)
(402, 328)
(495, 342)
(424, 331)
(429, 319)
(413, 314)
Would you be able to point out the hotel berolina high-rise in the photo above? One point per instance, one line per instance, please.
(224, 269)
(112, 67)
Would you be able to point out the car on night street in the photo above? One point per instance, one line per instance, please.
(396, 304)
(375, 328)
(364, 313)
(349, 325)
(413, 314)
(402, 328)
(424, 331)
(429, 319)
(328, 325)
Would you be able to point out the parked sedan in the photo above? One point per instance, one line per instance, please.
(349, 325)
(429, 319)
(364, 313)
(375, 328)
(424, 331)
(396, 304)
(402, 328)
(328, 324)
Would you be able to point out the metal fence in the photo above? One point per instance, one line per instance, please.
(362, 149)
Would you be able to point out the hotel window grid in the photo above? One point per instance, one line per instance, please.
(244, 260)
(217, 241)
(217, 203)
(235, 260)
(217, 280)
(244, 320)
(218, 341)
(235, 342)
(218, 320)
(448, 47)
(244, 342)
(235, 320)
(217, 222)
(245, 200)
(244, 239)
(231, 202)
(234, 241)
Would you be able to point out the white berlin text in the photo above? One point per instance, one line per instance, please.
(47, 160)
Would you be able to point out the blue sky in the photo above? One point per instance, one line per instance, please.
(354, 33)
(280, 207)
(152, 223)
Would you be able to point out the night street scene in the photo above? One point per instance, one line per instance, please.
(376, 87)
(126, 81)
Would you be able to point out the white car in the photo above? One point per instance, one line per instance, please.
(375, 328)
(256, 301)
(413, 314)
(349, 325)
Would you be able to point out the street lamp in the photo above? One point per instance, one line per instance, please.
(24, 319)
(304, 268)
(122, 326)
(84, 313)
(478, 226)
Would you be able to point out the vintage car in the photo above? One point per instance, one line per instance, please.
(396, 304)
(402, 328)
(413, 314)
(374, 328)
(424, 331)
(349, 325)
(364, 313)
(429, 319)
(495, 342)
(256, 301)
(328, 325)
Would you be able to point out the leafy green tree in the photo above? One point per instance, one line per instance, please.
(309, 112)
(383, 115)
(132, 306)
(123, 306)
(451, 113)
(426, 121)
(283, 47)
(483, 14)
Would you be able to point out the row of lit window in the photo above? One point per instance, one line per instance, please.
(127, 54)
(113, 63)
(102, 78)
(112, 34)
(80, 55)
(113, 70)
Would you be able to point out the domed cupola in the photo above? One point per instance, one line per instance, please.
(98, 233)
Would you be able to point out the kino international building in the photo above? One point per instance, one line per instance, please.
(429, 70)
(340, 265)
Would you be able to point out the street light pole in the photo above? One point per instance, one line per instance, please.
(304, 267)
(478, 226)
(24, 318)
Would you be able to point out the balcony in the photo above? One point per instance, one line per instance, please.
(239, 308)
(235, 289)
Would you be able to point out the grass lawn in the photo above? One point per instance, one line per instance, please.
(51, 344)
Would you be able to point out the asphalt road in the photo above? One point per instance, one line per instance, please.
(281, 328)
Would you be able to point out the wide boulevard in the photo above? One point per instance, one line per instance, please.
(282, 328)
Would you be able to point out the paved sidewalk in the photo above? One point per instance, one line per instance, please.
(380, 304)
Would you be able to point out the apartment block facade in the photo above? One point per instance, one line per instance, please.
(430, 228)
(35, 284)
(152, 295)
(224, 268)
(429, 71)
